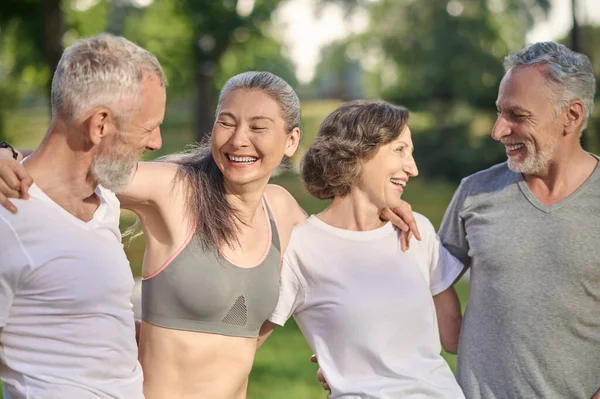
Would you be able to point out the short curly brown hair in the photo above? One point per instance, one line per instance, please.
(348, 136)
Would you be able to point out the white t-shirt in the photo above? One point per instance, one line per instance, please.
(67, 325)
(366, 308)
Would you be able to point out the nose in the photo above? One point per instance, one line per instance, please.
(501, 128)
(411, 168)
(155, 141)
(239, 137)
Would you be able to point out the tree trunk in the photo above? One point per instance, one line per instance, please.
(53, 34)
(206, 98)
(575, 44)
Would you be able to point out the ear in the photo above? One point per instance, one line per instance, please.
(293, 141)
(574, 118)
(100, 124)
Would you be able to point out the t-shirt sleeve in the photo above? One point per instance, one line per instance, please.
(452, 230)
(291, 293)
(12, 264)
(444, 268)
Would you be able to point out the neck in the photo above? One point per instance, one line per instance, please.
(567, 171)
(353, 212)
(61, 164)
(246, 200)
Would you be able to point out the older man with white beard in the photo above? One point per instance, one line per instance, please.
(529, 229)
(66, 322)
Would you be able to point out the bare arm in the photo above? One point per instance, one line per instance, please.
(282, 198)
(286, 210)
(265, 331)
(151, 185)
(447, 306)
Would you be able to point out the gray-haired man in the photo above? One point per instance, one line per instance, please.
(66, 322)
(530, 229)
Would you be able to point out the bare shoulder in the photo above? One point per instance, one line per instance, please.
(283, 203)
(286, 210)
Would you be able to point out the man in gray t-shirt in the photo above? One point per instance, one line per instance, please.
(529, 229)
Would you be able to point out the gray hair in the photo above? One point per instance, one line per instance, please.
(277, 88)
(568, 73)
(102, 70)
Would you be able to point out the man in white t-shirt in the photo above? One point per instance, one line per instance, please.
(66, 321)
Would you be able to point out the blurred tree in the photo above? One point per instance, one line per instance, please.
(444, 59)
(38, 25)
(339, 73)
(588, 38)
(216, 26)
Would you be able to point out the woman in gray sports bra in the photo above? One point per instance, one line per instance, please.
(215, 231)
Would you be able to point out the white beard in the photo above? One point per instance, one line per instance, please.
(113, 174)
(534, 163)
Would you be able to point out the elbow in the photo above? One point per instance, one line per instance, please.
(450, 340)
(450, 347)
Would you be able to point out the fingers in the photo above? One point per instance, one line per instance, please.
(404, 219)
(313, 359)
(321, 378)
(9, 176)
(7, 192)
(25, 180)
(414, 229)
(404, 241)
(4, 202)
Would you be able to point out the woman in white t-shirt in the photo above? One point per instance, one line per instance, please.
(376, 317)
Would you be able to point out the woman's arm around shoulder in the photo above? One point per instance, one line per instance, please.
(152, 184)
(286, 211)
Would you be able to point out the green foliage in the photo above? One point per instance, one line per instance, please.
(261, 53)
(171, 45)
(441, 59)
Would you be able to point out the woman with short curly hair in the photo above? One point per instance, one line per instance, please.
(376, 317)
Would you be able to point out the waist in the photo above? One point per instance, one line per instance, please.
(59, 385)
(189, 364)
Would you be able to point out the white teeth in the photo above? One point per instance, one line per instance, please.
(398, 181)
(512, 147)
(242, 159)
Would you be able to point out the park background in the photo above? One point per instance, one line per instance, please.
(442, 59)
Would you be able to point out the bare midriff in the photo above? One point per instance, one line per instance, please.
(194, 365)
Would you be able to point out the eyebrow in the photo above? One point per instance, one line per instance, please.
(513, 108)
(258, 117)
(261, 117)
(155, 125)
(410, 147)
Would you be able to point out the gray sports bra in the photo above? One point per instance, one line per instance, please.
(202, 291)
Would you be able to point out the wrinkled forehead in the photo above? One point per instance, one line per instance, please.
(250, 103)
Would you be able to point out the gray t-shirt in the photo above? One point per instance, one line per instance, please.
(532, 323)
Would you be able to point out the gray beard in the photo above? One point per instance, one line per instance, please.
(535, 164)
(112, 174)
